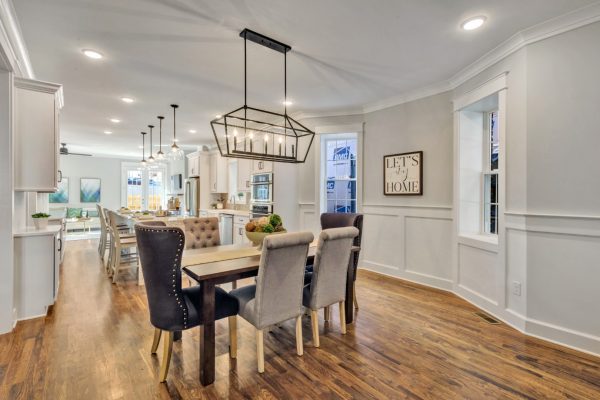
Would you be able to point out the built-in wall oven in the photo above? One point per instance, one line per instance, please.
(258, 210)
(261, 194)
(261, 188)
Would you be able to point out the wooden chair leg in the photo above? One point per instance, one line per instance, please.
(354, 295)
(233, 336)
(116, 264)
(314, 319)
(260, 351)
(299, 345)
(234, 285)
(167, 350)
(327, 314)
(156, 341)
(343, 316)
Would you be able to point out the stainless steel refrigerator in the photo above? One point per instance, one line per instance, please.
(192, 196)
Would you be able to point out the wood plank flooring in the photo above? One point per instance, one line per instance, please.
(408, 342)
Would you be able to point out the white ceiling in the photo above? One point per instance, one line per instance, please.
(346, 54)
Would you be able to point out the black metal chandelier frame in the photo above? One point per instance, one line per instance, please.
(289, 132)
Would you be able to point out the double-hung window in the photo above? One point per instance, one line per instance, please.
(340, 173)
(490, 174)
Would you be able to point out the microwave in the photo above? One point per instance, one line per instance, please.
(261, 188)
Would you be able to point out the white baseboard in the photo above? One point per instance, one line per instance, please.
(559, 335)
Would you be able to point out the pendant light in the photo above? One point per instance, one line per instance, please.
(143, 162)
(151, 158)
(176, 153)
(278, 138)
(160, 155)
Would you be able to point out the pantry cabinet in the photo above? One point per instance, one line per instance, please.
(244, 170)
(37, 135)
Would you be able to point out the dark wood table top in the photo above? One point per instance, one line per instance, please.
(219, 270)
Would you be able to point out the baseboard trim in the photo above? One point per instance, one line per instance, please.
(575, 340)
(410, 276)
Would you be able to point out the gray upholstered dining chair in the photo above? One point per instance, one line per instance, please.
(277, 295)
(341, 220)
(328, 284)
(173, 308)
(201, 232)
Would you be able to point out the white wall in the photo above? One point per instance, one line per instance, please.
(7, 315)
(107, 169)
(551, 235)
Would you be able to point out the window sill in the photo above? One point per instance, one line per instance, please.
(483, 242)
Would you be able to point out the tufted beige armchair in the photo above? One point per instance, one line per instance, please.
(201, 232)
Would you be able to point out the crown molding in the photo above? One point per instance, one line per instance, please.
(409, 96)
(300, 115)
(552, 27)
(12, 45)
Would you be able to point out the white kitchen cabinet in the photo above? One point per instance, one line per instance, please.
(259, 167)
(218, 173)
(37, 135)
(37, 270)
(193, 165)
(239, 229)
(244, 170)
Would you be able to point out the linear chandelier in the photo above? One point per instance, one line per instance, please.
(253, 133)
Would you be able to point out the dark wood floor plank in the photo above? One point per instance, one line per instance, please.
(407, 342)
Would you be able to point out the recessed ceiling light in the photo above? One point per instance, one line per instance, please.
(287, 103)
(115, 120)
(108, 132)
(218, 116)
(92, 54)
(176, 140)
(473, 23)
(192, 131)
(127, 99)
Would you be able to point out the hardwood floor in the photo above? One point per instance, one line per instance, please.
(408, 341)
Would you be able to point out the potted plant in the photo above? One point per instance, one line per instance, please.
(258, 229)
(40, 220)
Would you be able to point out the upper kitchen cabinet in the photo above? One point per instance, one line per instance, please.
(37, 135)
(243, 174)
(218, 173)
(193, 168)
(259, 167)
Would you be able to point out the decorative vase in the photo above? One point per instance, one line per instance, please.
(40, 223)
(257, 237)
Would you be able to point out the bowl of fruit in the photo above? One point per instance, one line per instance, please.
(258, 229)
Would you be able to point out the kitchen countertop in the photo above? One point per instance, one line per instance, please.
(32, 231)
(244, 213)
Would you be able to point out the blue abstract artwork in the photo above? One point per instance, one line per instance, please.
(89, 190)
(62, 194)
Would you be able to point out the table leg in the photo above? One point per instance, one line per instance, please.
(207, 334)
(350, 292)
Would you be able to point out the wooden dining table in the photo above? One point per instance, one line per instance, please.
(212, 266)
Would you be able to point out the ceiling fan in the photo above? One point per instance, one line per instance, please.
(65, 152)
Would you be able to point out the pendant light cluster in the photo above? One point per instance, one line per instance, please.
(252, 133)
(176, 153)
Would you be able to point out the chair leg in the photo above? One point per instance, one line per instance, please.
(156, 341)
(232, 336)
(116, 264)
(354, 295)
(343, 316)
(234, 285)
(327, 314)
(260, 351)
(299, 345)
(314, 319)
(168, 348)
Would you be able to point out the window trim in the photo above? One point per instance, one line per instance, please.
(488, 171)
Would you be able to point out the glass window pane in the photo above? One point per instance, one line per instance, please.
(494, 141)
(330, 206)
(339, 169)
(330, 148)
(331, 170)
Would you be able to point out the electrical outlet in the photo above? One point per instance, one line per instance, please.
(516, 288)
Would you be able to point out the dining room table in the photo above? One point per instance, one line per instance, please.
(217, 265)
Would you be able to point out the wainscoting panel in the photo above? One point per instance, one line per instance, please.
(516, 270)
(477, 272)
(427, 243)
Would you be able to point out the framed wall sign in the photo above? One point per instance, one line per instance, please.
(403, 174)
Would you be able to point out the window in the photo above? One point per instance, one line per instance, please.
(490, 174)
(143, 189)
(340, 173)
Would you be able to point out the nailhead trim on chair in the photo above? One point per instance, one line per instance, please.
(183, 306)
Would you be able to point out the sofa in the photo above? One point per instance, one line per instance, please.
(73, 217)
